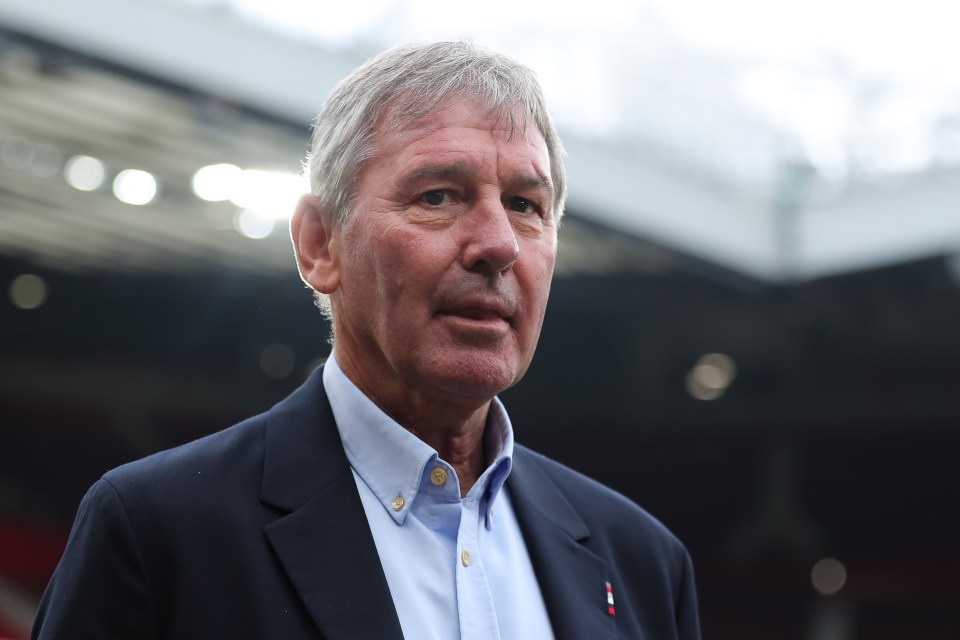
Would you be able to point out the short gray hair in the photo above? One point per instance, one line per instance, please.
(406, 83)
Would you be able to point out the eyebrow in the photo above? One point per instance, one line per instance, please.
(436, 172)
(459, 170)
(535, 182)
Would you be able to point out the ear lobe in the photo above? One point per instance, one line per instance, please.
(315, 242)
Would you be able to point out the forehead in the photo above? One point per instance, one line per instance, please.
(460, 123)
(406, 112)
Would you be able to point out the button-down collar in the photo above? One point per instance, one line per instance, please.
(394, 463)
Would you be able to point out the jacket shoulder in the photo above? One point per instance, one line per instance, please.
(220, 454)
(232, 457)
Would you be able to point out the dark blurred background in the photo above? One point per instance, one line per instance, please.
(757, 343)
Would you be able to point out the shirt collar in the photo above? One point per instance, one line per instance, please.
(391, 460)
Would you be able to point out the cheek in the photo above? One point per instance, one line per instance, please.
(539, 272)
(406, 246)
(408, 265)
(422, 250)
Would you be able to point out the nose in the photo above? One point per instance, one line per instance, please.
(489, 240)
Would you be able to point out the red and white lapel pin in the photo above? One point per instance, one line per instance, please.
(610, 608)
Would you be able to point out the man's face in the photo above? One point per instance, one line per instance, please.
(445, 260)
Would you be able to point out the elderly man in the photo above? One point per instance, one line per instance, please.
(386, 498)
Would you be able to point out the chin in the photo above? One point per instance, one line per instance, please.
(477, 378)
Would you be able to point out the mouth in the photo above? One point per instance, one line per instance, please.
(480, 313)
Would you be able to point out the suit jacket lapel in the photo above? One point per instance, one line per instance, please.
(324, 542)
(572, 578)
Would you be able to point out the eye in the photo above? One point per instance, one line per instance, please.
(522, 205)
(434, 198)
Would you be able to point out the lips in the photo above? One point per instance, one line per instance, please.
(477, 313)
(479, 310)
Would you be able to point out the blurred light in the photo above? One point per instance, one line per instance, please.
(84, 173)
(136, 187)
(715, 370)
(253, 224)
(710, 376)
(828, 576)
(16, 152)
(216, 182)
(46, 161)
(277, 360)
(271, 193)
(699, 391)
(28, 291)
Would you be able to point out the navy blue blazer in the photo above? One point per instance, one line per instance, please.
(258, 532)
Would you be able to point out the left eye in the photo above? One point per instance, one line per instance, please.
(434, 198)
(522, 205)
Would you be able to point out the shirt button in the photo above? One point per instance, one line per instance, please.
(438, 476)
(465, 558)
(398, 503)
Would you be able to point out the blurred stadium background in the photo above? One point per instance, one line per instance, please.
(754, 323)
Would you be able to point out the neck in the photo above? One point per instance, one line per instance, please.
(453, 426)
(460, 443)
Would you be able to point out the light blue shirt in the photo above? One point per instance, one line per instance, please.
(454, 570)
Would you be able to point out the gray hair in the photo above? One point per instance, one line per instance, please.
(404, 84)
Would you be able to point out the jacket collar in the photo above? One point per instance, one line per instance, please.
(306, 476)
(573, 579)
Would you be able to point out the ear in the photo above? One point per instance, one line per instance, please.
(316, 244)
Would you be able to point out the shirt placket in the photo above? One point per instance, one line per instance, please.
(478, 616)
